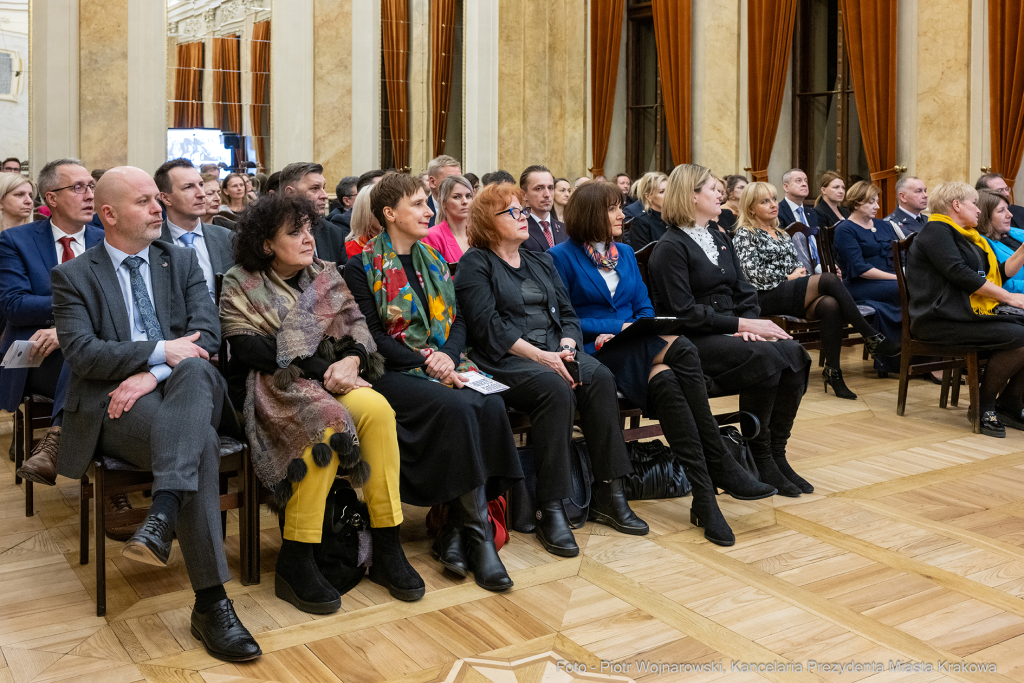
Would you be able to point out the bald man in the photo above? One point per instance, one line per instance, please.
(137, 326)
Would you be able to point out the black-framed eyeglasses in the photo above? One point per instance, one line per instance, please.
(78, 188)
(516, 212)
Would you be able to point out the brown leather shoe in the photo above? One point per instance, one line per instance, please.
(41, 468)
(119, 503)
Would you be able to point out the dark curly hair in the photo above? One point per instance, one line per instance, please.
(262, 221)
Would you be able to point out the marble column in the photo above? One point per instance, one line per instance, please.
(103, 74)
(291, 82)
(481, 86)
(365, 86)
(53, 83)
(147, 75)
(715, 105)
(332, 88)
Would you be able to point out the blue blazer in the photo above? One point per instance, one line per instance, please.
(786, 217)
(598, 311)
(27, 255)
(1003, 252)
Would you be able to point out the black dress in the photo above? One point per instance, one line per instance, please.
(943, 269)
(710, 297)
(727, 220)
(451, 440)
(647, 227)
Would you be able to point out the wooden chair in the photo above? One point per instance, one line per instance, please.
(954, 358)
(33, 413)
(643, 257)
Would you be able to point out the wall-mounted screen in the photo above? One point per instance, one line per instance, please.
(198, 145)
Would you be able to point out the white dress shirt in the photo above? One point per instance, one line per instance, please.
(793, 206)
(77, 241)
(201, 251)
(157, 360)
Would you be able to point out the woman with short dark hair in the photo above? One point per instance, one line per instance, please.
(524, 331)
(660, 374)
(301, 364)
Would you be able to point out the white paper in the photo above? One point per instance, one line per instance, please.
(485, 385)
(18, 356)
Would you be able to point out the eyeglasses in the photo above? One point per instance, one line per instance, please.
(78, 188)
(516, 212)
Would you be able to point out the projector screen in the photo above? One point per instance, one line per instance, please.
(198, 145)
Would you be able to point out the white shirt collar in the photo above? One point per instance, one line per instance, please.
(117, 256)
(177, 232)
(58, 234)
(915, 216)
(793, 205)
(537, 217)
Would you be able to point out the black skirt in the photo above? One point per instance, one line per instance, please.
(451, 440)
(731, 364)
(786, 299)
(995, 333)
(631, 364)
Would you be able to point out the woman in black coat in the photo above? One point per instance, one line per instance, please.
(648, 226)
(524, 332)
(696, 276)
(955, 296)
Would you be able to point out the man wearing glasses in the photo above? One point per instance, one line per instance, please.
(27, 254)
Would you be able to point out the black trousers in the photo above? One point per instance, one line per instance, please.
(552, 405)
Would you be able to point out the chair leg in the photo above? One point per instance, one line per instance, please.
(249, 535)
(223, 513)
(901, 396)
(944, 394)
(85, 493)
(100, 535)
(974, 387)
(19, 442)
(955, 399)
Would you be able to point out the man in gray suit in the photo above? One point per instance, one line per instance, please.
(137, 326)
(183, 197)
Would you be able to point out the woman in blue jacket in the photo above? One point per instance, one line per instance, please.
(660, 374)
(994, 224)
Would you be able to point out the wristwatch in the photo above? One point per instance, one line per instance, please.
(566, 347)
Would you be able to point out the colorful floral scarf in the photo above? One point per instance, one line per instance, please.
(422, 327)
(608, 260)
(281, 422)
(982, 305)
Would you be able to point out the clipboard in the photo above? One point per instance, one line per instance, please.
(646, 327)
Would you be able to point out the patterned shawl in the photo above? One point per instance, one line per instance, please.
(282, 422)
(406, 319)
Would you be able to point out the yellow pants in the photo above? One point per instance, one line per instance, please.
(375, 425)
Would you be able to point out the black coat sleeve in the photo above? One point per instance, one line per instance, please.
(456, 342)
(938, 245)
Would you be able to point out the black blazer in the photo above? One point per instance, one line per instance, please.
(537, 242)
(647, 227)
(687, 285)
(786, 216)
(330, 242)
(824, 215)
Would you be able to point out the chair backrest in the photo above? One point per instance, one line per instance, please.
(643, 257)
(825, 250)
(222, 352)
(803, 253)
(899, 252)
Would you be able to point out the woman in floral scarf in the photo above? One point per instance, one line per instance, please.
(457, 446)
(301, 364)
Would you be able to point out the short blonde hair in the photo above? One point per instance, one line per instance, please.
(859, 194)
(9, 182)
(363, 222)
(647, 186)
(940, 200)
(685, 181)
(753, 194)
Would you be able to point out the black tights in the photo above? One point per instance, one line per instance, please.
(1004, 377)
(829, 301)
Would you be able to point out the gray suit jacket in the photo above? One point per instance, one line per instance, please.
(218, 243)
(95, 334)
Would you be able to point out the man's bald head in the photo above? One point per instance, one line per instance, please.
(128, 208)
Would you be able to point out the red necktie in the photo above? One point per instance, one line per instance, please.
(547, 233)
(68, 254)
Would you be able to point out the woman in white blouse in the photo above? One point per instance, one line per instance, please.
(784, 287)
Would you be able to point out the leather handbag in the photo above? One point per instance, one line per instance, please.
(522, 503)
(656, 472)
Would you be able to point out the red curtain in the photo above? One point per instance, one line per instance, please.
(442, 36)
(188, 86)
(870, 31)
(672, 34)
(227, 84)
(769, 44)
(395, 43)
(260, 110)
(1006, 85)
(606, 19)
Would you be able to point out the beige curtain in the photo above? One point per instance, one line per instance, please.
(672, 19)
(188, 86)
(442, 35)
(605, 39)
(260, 109)
(769, 44)
(395, 43)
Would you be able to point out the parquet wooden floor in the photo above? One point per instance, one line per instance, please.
(911, 550)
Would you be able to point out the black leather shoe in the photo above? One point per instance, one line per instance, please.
(478, 541)
(448, 549)
(1010, 418)
(553, 530)
(608, 505)
(151, 544)
(223, 635)
(991, 426)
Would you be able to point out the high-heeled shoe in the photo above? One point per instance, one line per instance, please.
(834, 376)
(879, 345)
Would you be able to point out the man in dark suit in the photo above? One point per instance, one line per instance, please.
(545, 230)
(791, 209)
(997, 183)
(912, 200)
(306, 179)
(27, 254)
(184, 200)
(345, 194)
(438, 169)
(137, 326)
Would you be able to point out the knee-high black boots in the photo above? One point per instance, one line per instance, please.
(477, 534)
(787, 402)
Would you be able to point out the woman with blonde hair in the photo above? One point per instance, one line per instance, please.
(696, 276)
(648, 227)
(233, 194)
(784, 287)
(450, 233)
(828, 205)
(364, 226)
(16, 204)
(956, 295)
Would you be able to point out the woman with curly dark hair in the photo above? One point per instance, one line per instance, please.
(301, 361)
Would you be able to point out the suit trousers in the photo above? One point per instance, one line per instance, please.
(172, 432)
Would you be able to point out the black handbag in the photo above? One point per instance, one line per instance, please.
(656, 472)
(737, 443)
(345, 541)
(522, 503)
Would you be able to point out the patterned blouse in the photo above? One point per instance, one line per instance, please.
(704, 240)
(766, 262)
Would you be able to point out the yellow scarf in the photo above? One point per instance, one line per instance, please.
(982, 305)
